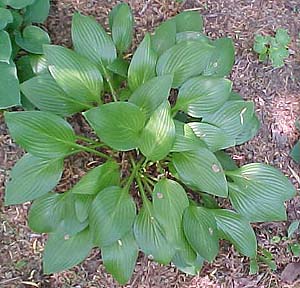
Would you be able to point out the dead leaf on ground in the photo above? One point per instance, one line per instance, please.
(291, 272)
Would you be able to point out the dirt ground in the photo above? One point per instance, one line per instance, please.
(276, 93)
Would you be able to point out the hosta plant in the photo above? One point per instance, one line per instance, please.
(21, 46)
(166, 116)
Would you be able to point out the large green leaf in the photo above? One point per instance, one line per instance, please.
(237, 230)
(158, 135)
(76, 75)
(91, 41)
(151, 94)
(19, 4)
(5, 17)
(192, 36)
(200, 229)
(232, 117)
(10, 91)
(169, 202)
(189, 21)
(259, 191)
(142, 65)
(5, 47)
(31, 178)
(98, 178)
(83, 204)
(38, 64)
(249, 130)
(119, 66)
(121, 24)
(201, 170)
(37, 12)
(118, 124)
(213, 136)
(42, 134)
(226, 161)
(184, 60)
(164, 36)
(203, 95)
(188, 267)
(120, 257)
(46, 95)
(222, 59)
(151, 236)
(62, 253)
(112, 215)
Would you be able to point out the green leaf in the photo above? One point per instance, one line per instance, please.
(164, 37)
(39, 64)
(76, 75)
(232, 117)
(119, 66)
(201, 170)
(32, 39)
(5, 47)
(295, 248)
(142, 65)
(17, 21)
(237, 230)
(46, 95)
(192, 268)
(83, 204)
(293, 228)
(203, 95)
(189, 21)
(277, 55)
(5, 17)
(169, 202)
(158, 136)
(192, 36)
(120, 257)
(118, 124)
(19, 4)
(42, 134)
(24, 68)
(184, 60)
(151, 236)
(226, 161)
(260, 44)
(254, 268)
(151, 94)
(222, 59)
(200, 229)
(37, 12)
(249, 130)
(9, 92)
(295, 153)
(31, 178)
(91, 41)
(258, 192)
(121, 24)
(62, 253)
(213, 136)
(112, 215)
(282, 37)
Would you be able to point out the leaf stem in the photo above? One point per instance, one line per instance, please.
(136, 167)
(90, 150)
(86, 139)
(112, 90)
(143, 193)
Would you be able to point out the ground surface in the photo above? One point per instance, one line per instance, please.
(276, 95)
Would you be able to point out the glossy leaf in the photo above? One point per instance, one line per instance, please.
(256, 188)
(200, 229)
(169, 202)
(158, 136)
(201, 170)
(32, 39)
(46, 95)
(37, 12)
(203, 95)
(189, 21)
(61, 253)
(142, 65)
(9, 92)
(184, 60)
(5, 47)
(42, 134)
(121, 24)
(74, 73)
(164, 36)
(19, 4)
(112, 215)
(91, 41)
(118, 124)
(31, 178)
(151, 94)
(5, 17)
(120, 258)
(237, 230)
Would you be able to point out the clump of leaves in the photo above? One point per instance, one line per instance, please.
(19, 37)
(170, 115)
(274, 48)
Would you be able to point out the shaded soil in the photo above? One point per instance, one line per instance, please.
(276, 96)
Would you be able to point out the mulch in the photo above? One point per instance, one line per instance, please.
(275, 93)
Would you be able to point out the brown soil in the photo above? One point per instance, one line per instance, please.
(275, 93)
